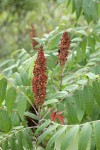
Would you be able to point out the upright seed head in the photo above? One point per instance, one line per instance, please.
(64, 46)
(32, 35)
(40, 78)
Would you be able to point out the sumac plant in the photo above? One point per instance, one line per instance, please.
(50, 97)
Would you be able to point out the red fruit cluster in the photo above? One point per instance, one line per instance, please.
(40, 78)
(64, 46)
(32, 35)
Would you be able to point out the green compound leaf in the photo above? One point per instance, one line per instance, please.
(48, 131)
(10, 99)
(69, 137)
(55, 137)
(97, 134)
(85, 136)
(3, 86)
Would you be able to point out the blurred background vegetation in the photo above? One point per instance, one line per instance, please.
(16, 18)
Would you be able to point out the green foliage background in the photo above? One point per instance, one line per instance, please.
(16, 18)
(79, 95)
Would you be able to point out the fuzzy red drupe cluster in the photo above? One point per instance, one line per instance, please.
(64, 46)
(40, 78)
(32, 35)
